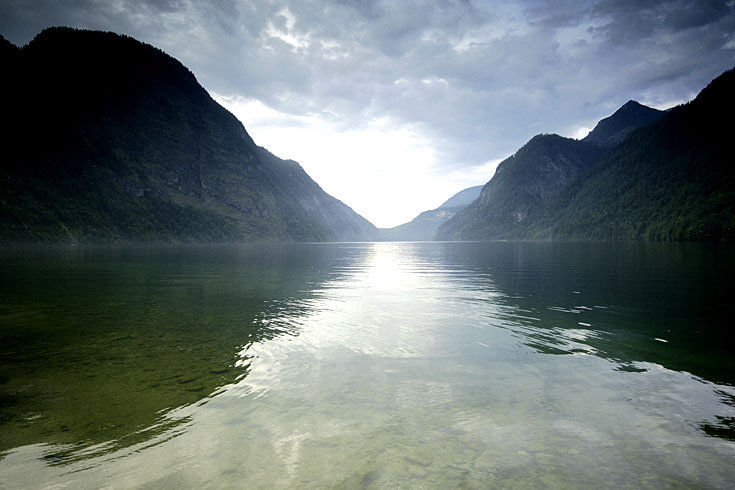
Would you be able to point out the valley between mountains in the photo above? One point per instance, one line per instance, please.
(109, 140)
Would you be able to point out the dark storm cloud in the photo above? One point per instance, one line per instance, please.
(477, 78)
(633, 20)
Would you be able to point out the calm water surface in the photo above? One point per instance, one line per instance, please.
(423, 365)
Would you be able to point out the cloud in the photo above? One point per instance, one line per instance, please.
(474, 80)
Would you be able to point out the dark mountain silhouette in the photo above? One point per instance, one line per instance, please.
(671, 179)
(424, 226)
(614, 129)
(110, 139)
(523, 183)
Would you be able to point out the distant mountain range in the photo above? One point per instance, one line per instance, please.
(109, 139)
(641, 174)
(424, 226)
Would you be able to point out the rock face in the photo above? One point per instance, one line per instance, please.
(424, 226)
(110, 139)
(671, 179)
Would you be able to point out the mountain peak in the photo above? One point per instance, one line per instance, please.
(633, 105)
(117, 58)
(615, 128)
(131, 148)
(672, 180)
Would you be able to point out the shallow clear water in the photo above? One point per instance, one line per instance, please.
(368, 365)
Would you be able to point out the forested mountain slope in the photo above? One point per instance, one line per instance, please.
(522, 184)
(110, 139)
(672, 179)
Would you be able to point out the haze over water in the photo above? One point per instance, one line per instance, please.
(368, 365)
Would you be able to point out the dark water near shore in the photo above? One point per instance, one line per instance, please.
(368, 365)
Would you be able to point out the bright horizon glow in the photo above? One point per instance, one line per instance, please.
(386, 172)
(393, 108)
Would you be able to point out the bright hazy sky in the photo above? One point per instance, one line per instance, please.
(393, 106)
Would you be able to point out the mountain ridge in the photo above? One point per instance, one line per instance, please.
(424, 226)
(616, 127)
(522, 183)
(463, 197)
(132, 148)
(669, 179)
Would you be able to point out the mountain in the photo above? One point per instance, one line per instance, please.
(614, 129)
(463, 198)
(522, 184)
(424, 226)
(110, 139)
(671, 179)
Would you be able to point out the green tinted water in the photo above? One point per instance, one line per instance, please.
(367, 365)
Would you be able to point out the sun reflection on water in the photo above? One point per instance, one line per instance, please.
(420, 365)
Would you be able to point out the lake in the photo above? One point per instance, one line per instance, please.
(411, 365)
